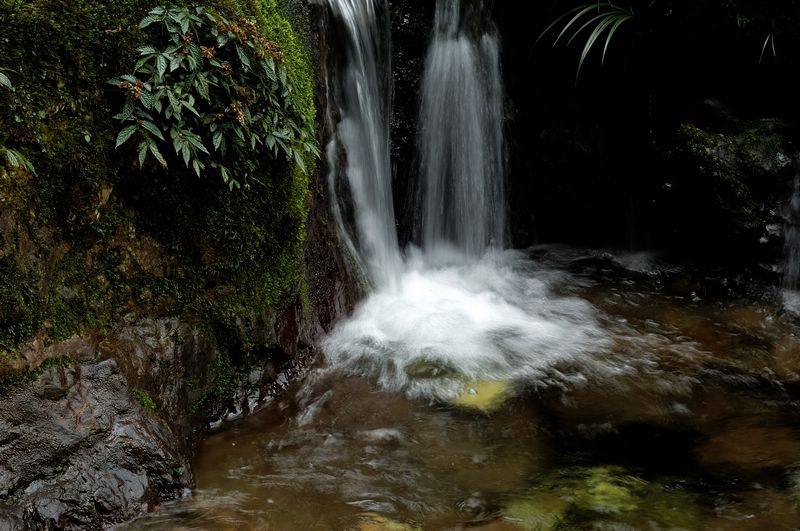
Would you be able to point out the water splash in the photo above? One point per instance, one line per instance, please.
(461, 135)
(444, 326)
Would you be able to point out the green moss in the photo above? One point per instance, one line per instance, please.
(34, 374)
(231, 260)
(582, 498)
(144, 399)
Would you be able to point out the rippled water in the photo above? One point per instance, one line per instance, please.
(553, 389)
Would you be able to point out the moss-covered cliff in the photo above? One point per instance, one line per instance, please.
(90, 237)
(192, 291)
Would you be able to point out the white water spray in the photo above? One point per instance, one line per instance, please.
(461, 310)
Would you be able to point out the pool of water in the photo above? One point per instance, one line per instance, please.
(553, 389)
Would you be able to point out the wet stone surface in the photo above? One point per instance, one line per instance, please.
(77, 452)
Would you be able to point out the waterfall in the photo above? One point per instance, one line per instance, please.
(460, 140)
(434, 326)
(365, 93)
(791, 232)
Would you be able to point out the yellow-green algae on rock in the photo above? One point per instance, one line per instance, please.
(485, 396)
(602, 494)
(377, 522)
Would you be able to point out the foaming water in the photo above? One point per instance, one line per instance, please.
(452, 321)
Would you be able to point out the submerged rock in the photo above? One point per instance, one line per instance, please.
(78, 452)
(377, 522)
(609, 494)
(485, 396)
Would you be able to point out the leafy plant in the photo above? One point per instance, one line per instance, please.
(15, 159)
(4, 81)
(770, 39)
(9, 156)
(597, 18)
(217, 93)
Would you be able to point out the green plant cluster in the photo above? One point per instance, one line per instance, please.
(219, 90)
(74, 235)
(144, 399)
(11, 157)
(596, 18)
(598, 21)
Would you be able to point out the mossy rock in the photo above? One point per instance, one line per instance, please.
(377, 522)
(541, 512)
(91, 237)
(484, 396)
(583, 496)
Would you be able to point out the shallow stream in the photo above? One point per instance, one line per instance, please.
(555, 388)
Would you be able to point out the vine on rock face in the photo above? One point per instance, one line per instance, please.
(219, 91)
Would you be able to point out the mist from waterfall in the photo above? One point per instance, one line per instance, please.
(460, 141)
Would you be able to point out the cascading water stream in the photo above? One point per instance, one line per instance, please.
(461, 135)
(791, 260)
(461, 310)
(365, 92)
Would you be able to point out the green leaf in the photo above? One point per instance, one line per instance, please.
(125, 134)
(127, 111)
(242, 56)
(153, 128)
(157, 154)
(175, 61)
(150, 19)
(161, 64)
(147, 50)
(186, 153)
(147, 99)
(142, 153)
(191, 108)
(194, 51)
(12, 158)
(173, 101)
(217, 139)
(298, 158)
(197, 165)
(5, 82)
(202, 87)
(196, 142)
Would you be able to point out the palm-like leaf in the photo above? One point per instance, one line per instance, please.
(598, 18)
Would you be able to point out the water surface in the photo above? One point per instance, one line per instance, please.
(574, 389)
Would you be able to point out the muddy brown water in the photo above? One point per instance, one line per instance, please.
(693, 423)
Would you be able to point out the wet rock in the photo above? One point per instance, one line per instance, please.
(485, 396)
(730, 183)
(786, 359)
(543, 511)
(747, 448)
(377, 522)
(610, 494)
(76, 451)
